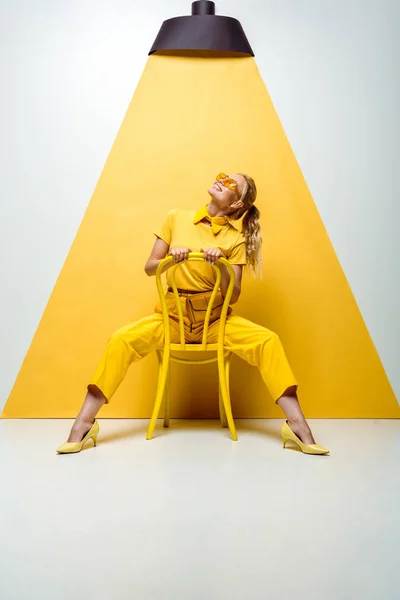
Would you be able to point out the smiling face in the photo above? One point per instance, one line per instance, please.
(227, 198)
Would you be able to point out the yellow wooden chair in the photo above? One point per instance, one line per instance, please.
(220, 353)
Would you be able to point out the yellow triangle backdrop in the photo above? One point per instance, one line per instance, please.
(189, 119)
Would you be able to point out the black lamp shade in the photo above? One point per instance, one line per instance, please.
(202, 31)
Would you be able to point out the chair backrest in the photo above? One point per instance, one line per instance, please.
(195, 256)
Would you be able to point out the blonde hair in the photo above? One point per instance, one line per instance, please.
(251, 224)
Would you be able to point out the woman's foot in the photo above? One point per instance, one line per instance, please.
(302, 430)
(79, 430)
(289, 436)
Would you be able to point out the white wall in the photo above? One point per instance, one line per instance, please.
(68, 71)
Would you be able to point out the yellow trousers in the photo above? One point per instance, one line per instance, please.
(255, 344)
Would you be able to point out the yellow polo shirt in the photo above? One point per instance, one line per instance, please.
(185, 229)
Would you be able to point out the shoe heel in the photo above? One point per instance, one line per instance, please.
(94, 438)
(284, 440)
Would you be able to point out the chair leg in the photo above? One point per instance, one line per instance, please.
(167, 394)
(222, 414)
(163, 375)
(167, 398)
(223, 372)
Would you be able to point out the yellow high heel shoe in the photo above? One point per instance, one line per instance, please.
(288, 434)
(71, 447)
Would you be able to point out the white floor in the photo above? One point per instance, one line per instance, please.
(192, 515)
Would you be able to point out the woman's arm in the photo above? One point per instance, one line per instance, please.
(159, 252)
(238, 269)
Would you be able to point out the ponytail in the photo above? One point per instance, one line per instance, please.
(251, 225)
(252, 236)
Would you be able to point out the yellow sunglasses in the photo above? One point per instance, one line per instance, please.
(227, 182)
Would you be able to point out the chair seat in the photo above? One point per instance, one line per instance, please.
(211, 353)
(194, 348)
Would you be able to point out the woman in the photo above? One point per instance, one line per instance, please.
(227, 227)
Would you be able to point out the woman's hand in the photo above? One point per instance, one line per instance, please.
(180, 254)
(211, 255)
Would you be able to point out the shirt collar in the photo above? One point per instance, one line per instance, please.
(202, 212)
